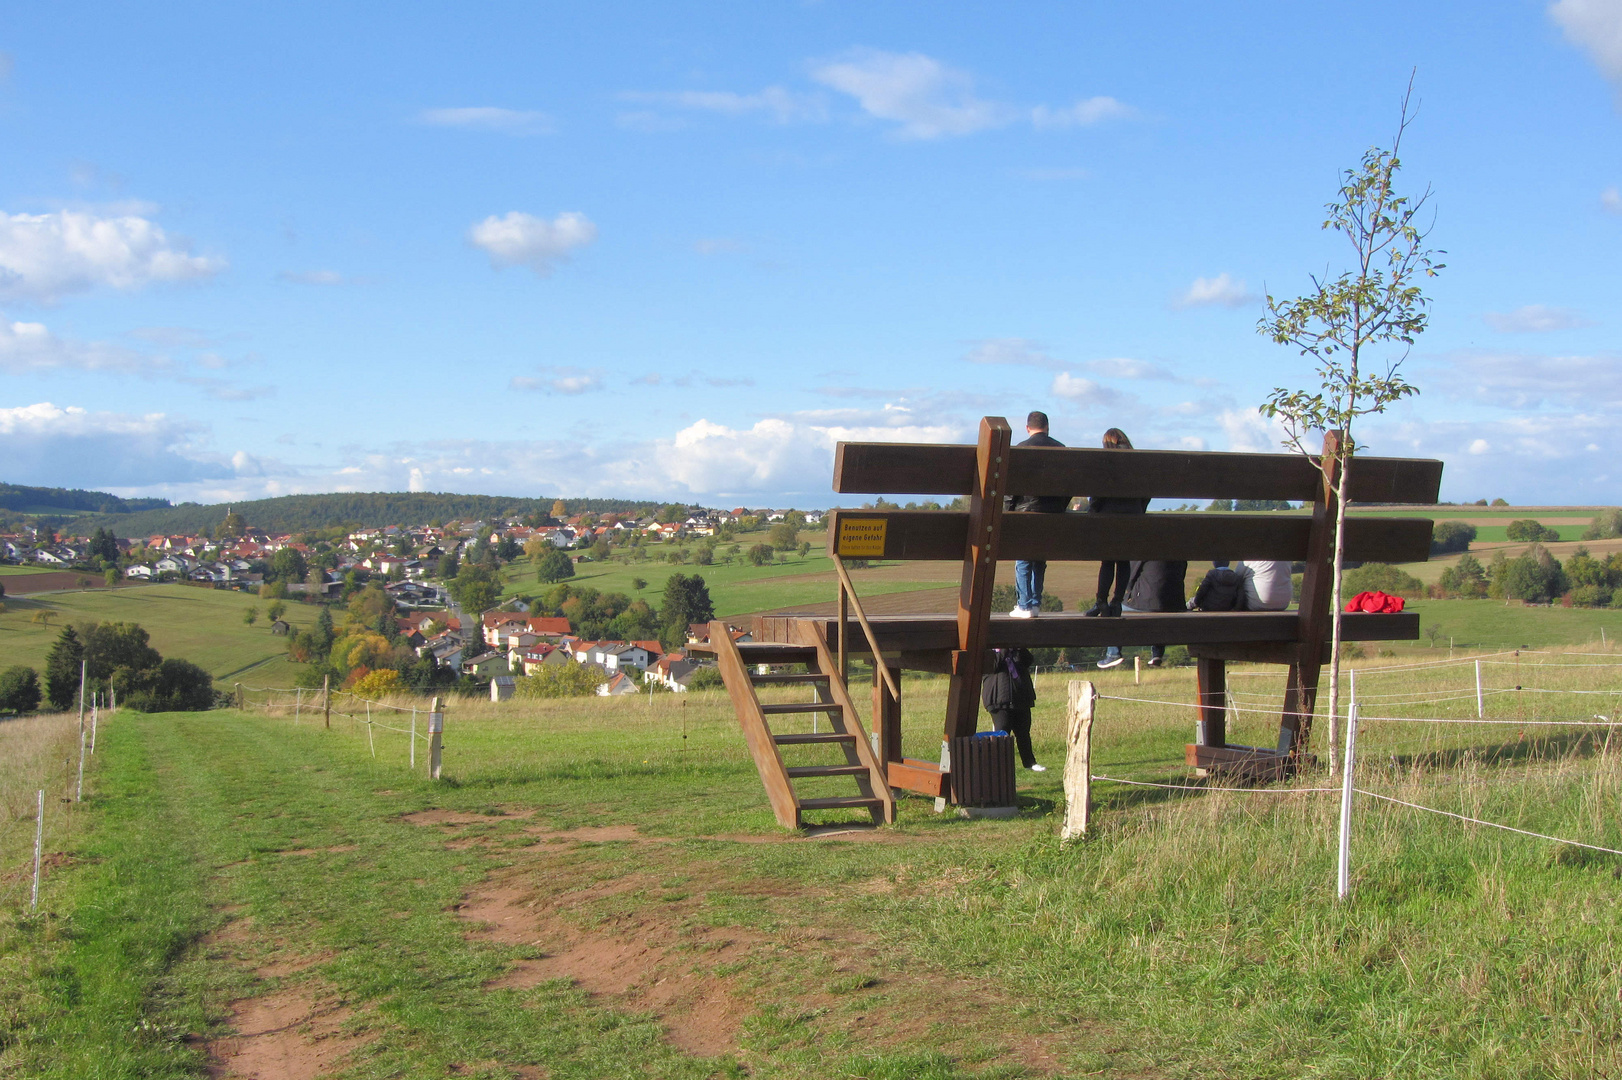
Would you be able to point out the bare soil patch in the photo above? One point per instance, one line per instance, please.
(651, 943)
(287, 1035)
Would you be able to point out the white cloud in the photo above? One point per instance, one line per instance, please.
(928, 99)
(1249, 431)
(1535, 319)
(31, 347)
(1610, 200)
(1083, 113)
(45, 256)
(564, 380)
(1596, 27)
(1021, 352)
(224, 390)
(72, 447)
(312, 277)
(1529, 381)
(1221, 290)
(1480, 446)
(522, 239)
(1082, 391)
(489, 118)
(780, 105)
(1122, 367)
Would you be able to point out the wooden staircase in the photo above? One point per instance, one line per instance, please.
(738, 663)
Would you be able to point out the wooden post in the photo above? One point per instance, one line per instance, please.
(436, 731)
(241, 703)
(1137, 670)
(887, 714)
(844, 632)
(326, 700)
(1211, 678)
(979, 575)
(1301, 692)
(1078, 760)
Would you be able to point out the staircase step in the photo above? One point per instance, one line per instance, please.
(779, 680)
(771, 652)
(802, 707)
(826, 770)
(817, 737)
(839, 803)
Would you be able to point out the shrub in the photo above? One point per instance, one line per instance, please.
(1589, 596)
(19, 689)
(561, 680)
(377, 683)
(1381, 577)
(1467, 579)
(1530, 530)
(706, 678)
(1607, 526)
(1451, 536)
(172, 686)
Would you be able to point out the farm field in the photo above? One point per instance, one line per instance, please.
(201, 625)
(598, 889)
(21, 571)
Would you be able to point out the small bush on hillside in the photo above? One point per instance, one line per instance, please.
(1466, 580)
(172, 686)
(1589, 596)
(19, 689)
(1381, 577)
(706, 678)
(1607, 526)
(1451, 536)
(1528, 529)
(375, 684)
(561, 680)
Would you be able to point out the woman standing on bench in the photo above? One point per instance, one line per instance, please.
(1116, 572)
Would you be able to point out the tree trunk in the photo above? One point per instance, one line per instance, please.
(1336, 609)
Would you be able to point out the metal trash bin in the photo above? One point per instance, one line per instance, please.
(982, 771)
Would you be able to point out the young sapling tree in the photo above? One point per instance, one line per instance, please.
(1357, 329)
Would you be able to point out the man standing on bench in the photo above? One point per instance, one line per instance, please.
(1029, 575)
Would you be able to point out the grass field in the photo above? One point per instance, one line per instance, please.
(21, 571)
(739, 588)
(597, 889)
(201, 625)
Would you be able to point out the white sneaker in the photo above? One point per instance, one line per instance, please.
(1022, 613)
(1039, 768)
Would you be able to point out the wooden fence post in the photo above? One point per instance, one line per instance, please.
(326, 700)
(1078, 761)
(436, 731)
(241, 702)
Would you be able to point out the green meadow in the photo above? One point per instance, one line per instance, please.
(596, 888)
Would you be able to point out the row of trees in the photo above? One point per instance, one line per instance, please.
(117, 656)
(596, 615)
(365, 652)
(1537, 576)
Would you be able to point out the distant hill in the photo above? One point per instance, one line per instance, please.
(43, 500)
(298, 513)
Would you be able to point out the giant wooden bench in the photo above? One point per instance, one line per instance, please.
(958, 645)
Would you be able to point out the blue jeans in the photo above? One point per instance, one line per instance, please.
(1028, 578)
(1115, 650)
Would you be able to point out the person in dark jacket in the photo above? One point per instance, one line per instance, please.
(1008, 692)
(1030, 574)
(1113, 572)
(1154, 585)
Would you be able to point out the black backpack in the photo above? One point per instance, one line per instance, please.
(1220, 591)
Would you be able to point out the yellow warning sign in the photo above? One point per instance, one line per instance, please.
(862, 537)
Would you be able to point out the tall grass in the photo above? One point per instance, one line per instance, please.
(36, 752)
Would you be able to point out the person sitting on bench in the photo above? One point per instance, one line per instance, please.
(1155, 585)
(1266, 583)
(1116, 572)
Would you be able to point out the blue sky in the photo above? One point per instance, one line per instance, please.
(677, 251)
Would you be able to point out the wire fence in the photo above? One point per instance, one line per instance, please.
(320, 706)
(1517, 689)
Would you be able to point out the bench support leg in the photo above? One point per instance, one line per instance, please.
(1300, 697)
(979, 573)
(887, 716)
(1212, 724)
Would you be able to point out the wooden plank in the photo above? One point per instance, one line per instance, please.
(1301, 686)
(762, 745)
(937, 535)
(1242, 762)
(1078, 760)
(948, 469)
(921, 640)
(1211, 681)
(979, 555)
(923, 777)
(887, 713)
(1261, 652)
(843, 717)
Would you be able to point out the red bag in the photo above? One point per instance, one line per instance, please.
(1377, 602)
